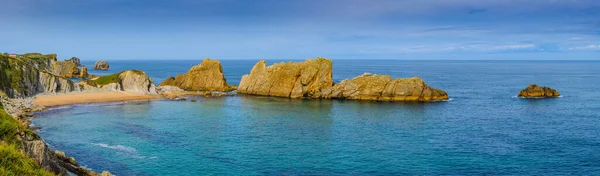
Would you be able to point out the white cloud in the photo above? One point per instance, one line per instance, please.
(586, 47)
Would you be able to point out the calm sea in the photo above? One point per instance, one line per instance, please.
(483, 130)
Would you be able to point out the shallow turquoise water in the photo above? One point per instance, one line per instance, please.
(484, 129)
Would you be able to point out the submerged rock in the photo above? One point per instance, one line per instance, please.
(384, 88)
(292, 79)
(101, 65)
(535, 91)
(208, 75)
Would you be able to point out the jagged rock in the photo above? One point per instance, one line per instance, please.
(384, 88)
(133, 81)
(66, 69)
(101, 65)
(83, 73)
(75, 60)
(535, 91)
(60, 155)
(208, 75)
(292, 79)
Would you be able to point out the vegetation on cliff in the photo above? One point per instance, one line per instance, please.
(13, 161)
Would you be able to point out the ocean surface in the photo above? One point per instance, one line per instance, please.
(483, 130)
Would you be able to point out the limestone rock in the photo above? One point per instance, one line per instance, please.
(384, 88)
(83, 73)
(535, 91)
(208, 75)
(101, 65)
(292, 79)
(133, 81)
(75, 60)
(66, 69)
(136, 82)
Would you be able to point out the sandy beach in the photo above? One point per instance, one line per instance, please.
(84, 98)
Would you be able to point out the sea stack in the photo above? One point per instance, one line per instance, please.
(384, 88)
(207, 76)
(292, 79)
(535, 91)
(101, 65)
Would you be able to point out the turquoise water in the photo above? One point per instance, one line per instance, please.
(484, 129)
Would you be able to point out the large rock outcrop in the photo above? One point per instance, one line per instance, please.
(535, 91)
(23, 77)
(74, 60)
(133, 81)
(384, 88)
(66, 69)
(208, 75)
(292, 79)
(101, 65)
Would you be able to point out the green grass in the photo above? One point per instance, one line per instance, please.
(12, 159)
(114, 78)
(104, 80)
(14, 162)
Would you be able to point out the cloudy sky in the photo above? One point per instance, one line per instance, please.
(288, 29)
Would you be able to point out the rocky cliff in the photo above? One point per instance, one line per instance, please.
(292, 79)
(384, 88)
(133, 81)
(208, 75)
(535, 91)
(23, 77)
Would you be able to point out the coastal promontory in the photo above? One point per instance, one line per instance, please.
(207, 76)
(384, 88)
(535, 91)
(292, 79)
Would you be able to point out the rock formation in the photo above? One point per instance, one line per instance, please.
(535, 91)
(132, 81)
(101, 65)
(384, 88)
(292, 79)
(66, 69)
(75, 60)
(208, 75)
(83, 73)
(26, 77)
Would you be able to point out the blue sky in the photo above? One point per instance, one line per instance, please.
(287, 29)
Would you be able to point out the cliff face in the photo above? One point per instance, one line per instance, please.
(132, 81)
(292, 79)
(21, 77)
(208, 75)
(535, 91)
(384, 88)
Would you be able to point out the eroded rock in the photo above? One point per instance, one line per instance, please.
(208, 75)
(101, 65)
(292, 79)
(535, 91)
(384, 88)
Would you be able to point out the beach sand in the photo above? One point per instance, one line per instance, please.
(84, 98)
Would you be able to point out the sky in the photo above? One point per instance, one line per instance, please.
(300, 29)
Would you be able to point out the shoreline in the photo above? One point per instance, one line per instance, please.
(47, 101)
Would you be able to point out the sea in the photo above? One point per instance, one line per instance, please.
(484, 129)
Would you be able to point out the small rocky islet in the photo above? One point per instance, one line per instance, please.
(101, 65)
(535, 91)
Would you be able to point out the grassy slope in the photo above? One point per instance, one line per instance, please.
(114, 78)
(12, 159)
